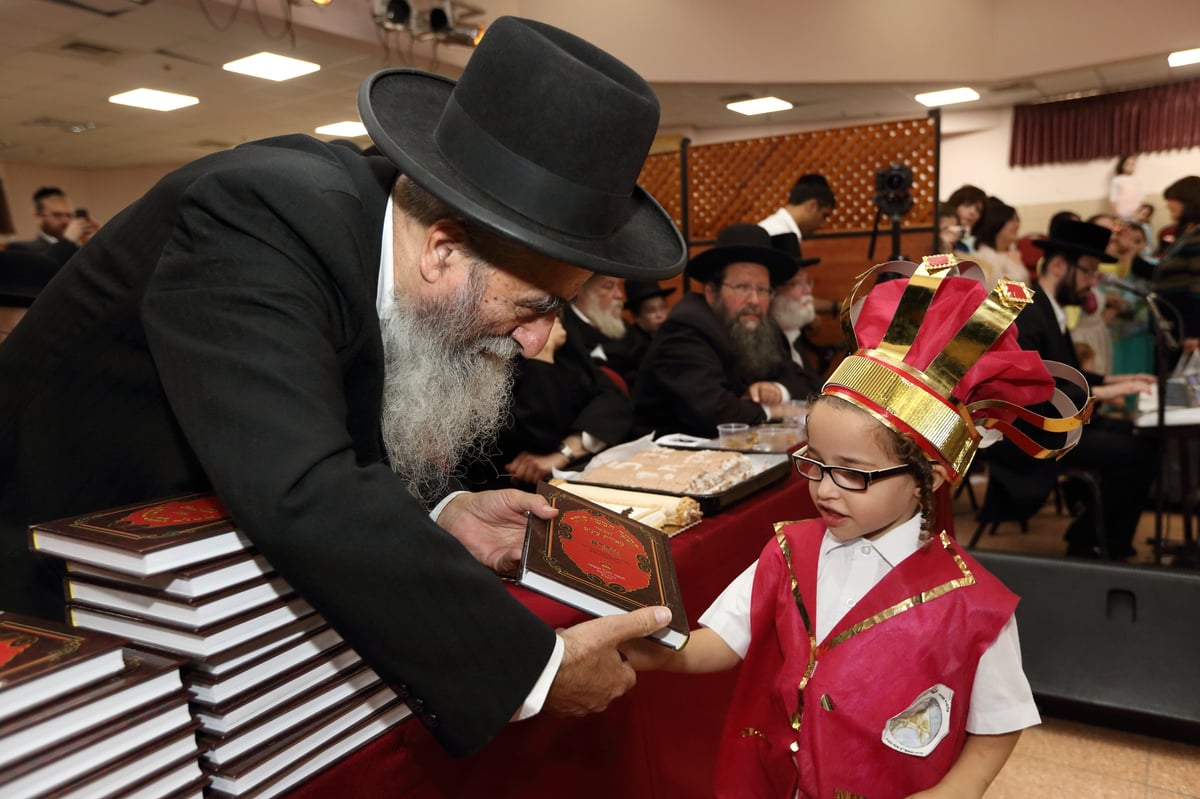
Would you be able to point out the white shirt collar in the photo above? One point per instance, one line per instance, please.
(385, 299)
(893, 546)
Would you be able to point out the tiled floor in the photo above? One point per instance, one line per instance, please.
(1064, 759)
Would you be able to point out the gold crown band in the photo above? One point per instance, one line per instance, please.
(904, 402)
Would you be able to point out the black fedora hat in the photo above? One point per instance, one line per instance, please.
(542, 140)
(1081, 238)
(638, 291)
(22, 277)
(790, 243)
(742, 243)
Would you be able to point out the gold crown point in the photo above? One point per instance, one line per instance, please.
(1013, 293)
(938, 263)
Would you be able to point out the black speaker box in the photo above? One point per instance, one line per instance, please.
(1122, 640)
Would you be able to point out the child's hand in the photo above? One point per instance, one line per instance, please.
(645, 655)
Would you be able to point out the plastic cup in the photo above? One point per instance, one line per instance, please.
(735, 435)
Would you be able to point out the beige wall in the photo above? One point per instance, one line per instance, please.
(103, 192)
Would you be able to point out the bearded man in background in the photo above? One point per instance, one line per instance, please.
(720, 357)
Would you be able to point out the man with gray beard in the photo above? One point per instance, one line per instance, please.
(794, 308)
(318, 336)
(719, 357)
(596, 330)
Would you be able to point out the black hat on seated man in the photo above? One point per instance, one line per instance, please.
(22, 277)
(638, 291)
(1079, 238)
(554, 167)
(790, 244)
(743, 243)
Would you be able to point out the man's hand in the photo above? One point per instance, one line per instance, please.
(491, 524)
(529, 468)
(79, 230)
(765, 393)
(593, 673)
(1120, 385)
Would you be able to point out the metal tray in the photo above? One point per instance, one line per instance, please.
(773, 468)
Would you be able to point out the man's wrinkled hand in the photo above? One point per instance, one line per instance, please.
(491, 524)
(765, 393)
(593, 672)
(529, 468)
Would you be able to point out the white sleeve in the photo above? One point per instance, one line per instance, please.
(537, 697)
(1001, 699)
(729, 615)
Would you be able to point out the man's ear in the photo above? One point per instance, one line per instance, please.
(710, 292)
(443, 239)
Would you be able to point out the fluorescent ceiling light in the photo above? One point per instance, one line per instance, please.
(759, 105)
(963, 94)
(1184, 57)
(347, 130)
(153, 99)
(271, 66)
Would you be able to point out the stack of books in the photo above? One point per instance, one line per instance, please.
(276, 692)
(81, 715)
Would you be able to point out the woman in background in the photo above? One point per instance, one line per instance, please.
(1177, 276)
(1125, 191)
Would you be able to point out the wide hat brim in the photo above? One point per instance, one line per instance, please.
(401, 109)
(705, 266)
(634, 298)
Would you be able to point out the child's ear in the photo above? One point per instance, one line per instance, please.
(939, 476)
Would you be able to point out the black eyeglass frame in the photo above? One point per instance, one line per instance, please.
(868, 477)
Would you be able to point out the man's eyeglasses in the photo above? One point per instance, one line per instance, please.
(844, 476)
(745, 289)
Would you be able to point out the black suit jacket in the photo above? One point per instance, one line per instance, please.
(60, 251)
(689, 381)
(222, 332)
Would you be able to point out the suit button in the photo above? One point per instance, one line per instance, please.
(402, 691)
(430, 720)
(416, 705)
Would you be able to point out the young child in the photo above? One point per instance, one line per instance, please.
(878, 659)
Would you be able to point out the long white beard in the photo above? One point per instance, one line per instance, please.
(447, 387)
(793, 314)
(607, 320)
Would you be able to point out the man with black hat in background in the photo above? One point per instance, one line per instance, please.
(317, 336)
(646, 302)
(794, 308)
(1124, 463)
(719, 357)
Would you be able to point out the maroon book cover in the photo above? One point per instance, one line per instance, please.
(146, 677)
(601, 562)
(127, 539)
(41, 660)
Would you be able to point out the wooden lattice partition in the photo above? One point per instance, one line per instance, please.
(744, 181)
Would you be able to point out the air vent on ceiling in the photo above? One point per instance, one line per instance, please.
(61, 124)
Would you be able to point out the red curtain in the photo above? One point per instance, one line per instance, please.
(1107, 125)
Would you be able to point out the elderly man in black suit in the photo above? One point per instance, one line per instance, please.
(1124, 464)
(317, 336)
(720, 357)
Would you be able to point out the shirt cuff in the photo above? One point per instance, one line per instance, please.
(593, 444)
(441, 506)
(537, 697)
(787, 395)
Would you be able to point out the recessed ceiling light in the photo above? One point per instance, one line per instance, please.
(759, 105)
(1182, 58)
(271, 66)
(963, 94)
(153, 99)
(349, 130)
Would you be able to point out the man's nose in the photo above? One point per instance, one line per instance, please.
(532, 335)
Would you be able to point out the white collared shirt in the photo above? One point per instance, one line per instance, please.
(1001, 699)
(780, 222)
(385, 300)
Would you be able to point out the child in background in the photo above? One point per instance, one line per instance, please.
(878, 659)
(1125, 191)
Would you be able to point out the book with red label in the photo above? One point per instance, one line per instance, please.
(147, 538)
(41, 660)
(601, 562)
(147, 677)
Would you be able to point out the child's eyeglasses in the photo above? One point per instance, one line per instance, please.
(844, 476)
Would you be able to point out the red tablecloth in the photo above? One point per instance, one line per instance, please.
(660, 740)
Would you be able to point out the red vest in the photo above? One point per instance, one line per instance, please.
(812, 716)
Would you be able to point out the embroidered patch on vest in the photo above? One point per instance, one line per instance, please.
(919, 729)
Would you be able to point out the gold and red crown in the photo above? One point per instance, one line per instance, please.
(937, 357)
